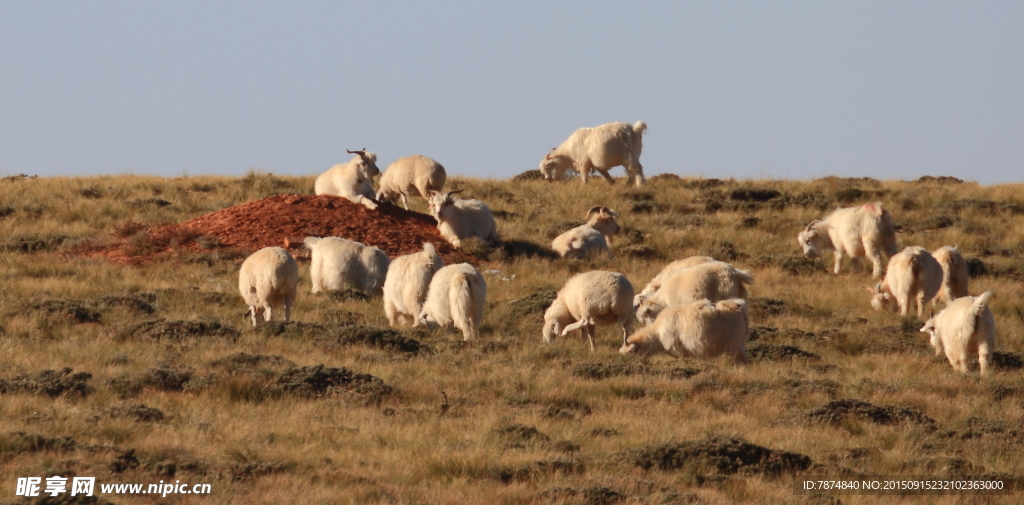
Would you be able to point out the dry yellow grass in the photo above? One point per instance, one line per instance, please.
(229, 426)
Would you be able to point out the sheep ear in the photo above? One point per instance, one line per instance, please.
(591, 211)
(456, 191)
(870, 289)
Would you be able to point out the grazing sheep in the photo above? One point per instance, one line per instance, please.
(338, 263)
(714, 280)
(853, 231)
(456, 296)
(412, 175)
(458, 219)
(667, 272)
(700, 329)
(352, 180)
(913, 274)
(590, 239)
(589, 299)
(268, 279)
(407, 282)
(598, 149)
(965, 326)
(954, 273)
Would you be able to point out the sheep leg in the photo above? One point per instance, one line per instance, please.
(984, 356)
(584, 173)
(856, 264)
(588, 331)
(839, 261)
(267, 313)
(405, 201)
(920, 304)
(604, 173)
(575, 326)
(255, 313)
(876, 261)
(287, 311)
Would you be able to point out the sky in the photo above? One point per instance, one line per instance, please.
(783, 89)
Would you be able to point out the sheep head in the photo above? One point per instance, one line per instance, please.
(881, 297)
(552, 162)
(603, 220)
(367, 162)
(934, 340)
(647, 311)
(813, 240)
(438, 201)
(551, 330)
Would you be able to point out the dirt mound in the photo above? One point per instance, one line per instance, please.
(319, 380)
(289, 217)
(719, 455)
(598, 370)
(52, 383)
(773, 352)
(332, 336)
(16, 442)
(157, 329)
(593, 495)
(139, 413)
(834, 411)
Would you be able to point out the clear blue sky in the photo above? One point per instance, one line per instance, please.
(885, 89)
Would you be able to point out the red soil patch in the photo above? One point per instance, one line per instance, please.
(285, 219)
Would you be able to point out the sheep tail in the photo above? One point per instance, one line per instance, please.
(309, 242)
(979, 304)
(640, 127)
(746, 277)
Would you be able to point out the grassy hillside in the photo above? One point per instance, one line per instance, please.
(168, 381)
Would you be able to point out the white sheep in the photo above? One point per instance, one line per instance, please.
(407, 282)
(414, 175)
(700, 329)
(588, 299)
(965, 326)
(912, 275)
(458, 219)
(456, 297)
(268, 279)
(589, 239)
(714, 280)
(352, 180)
(954, 273)
(853, 231)
(666, 272)
(598, 149)
(338, 263)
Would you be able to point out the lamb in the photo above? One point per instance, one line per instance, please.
(913, 274)
(954, 273)
(853, 231)
(352, 180)
(456, 296)
(338, 263)
(965, 326)
(268, 279)
(412, 175)
(458, 219)
(700, 329)
(589, 239)
(406, 285)
(598, 149)
(667, 272)
(714, 280)
(588, 299)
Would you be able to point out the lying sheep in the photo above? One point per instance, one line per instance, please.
(458, 219)
(589, 299)
(352, 180)
(700, 329)
(338, 263)
(913, 274)
(714, 280)
(456, 296)
(667, 272)
(589, 239)
(598, 149)
(414, 175)
(853, 231)
(954, 273)
(407, 282)
(268, 279)
(965, 326)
